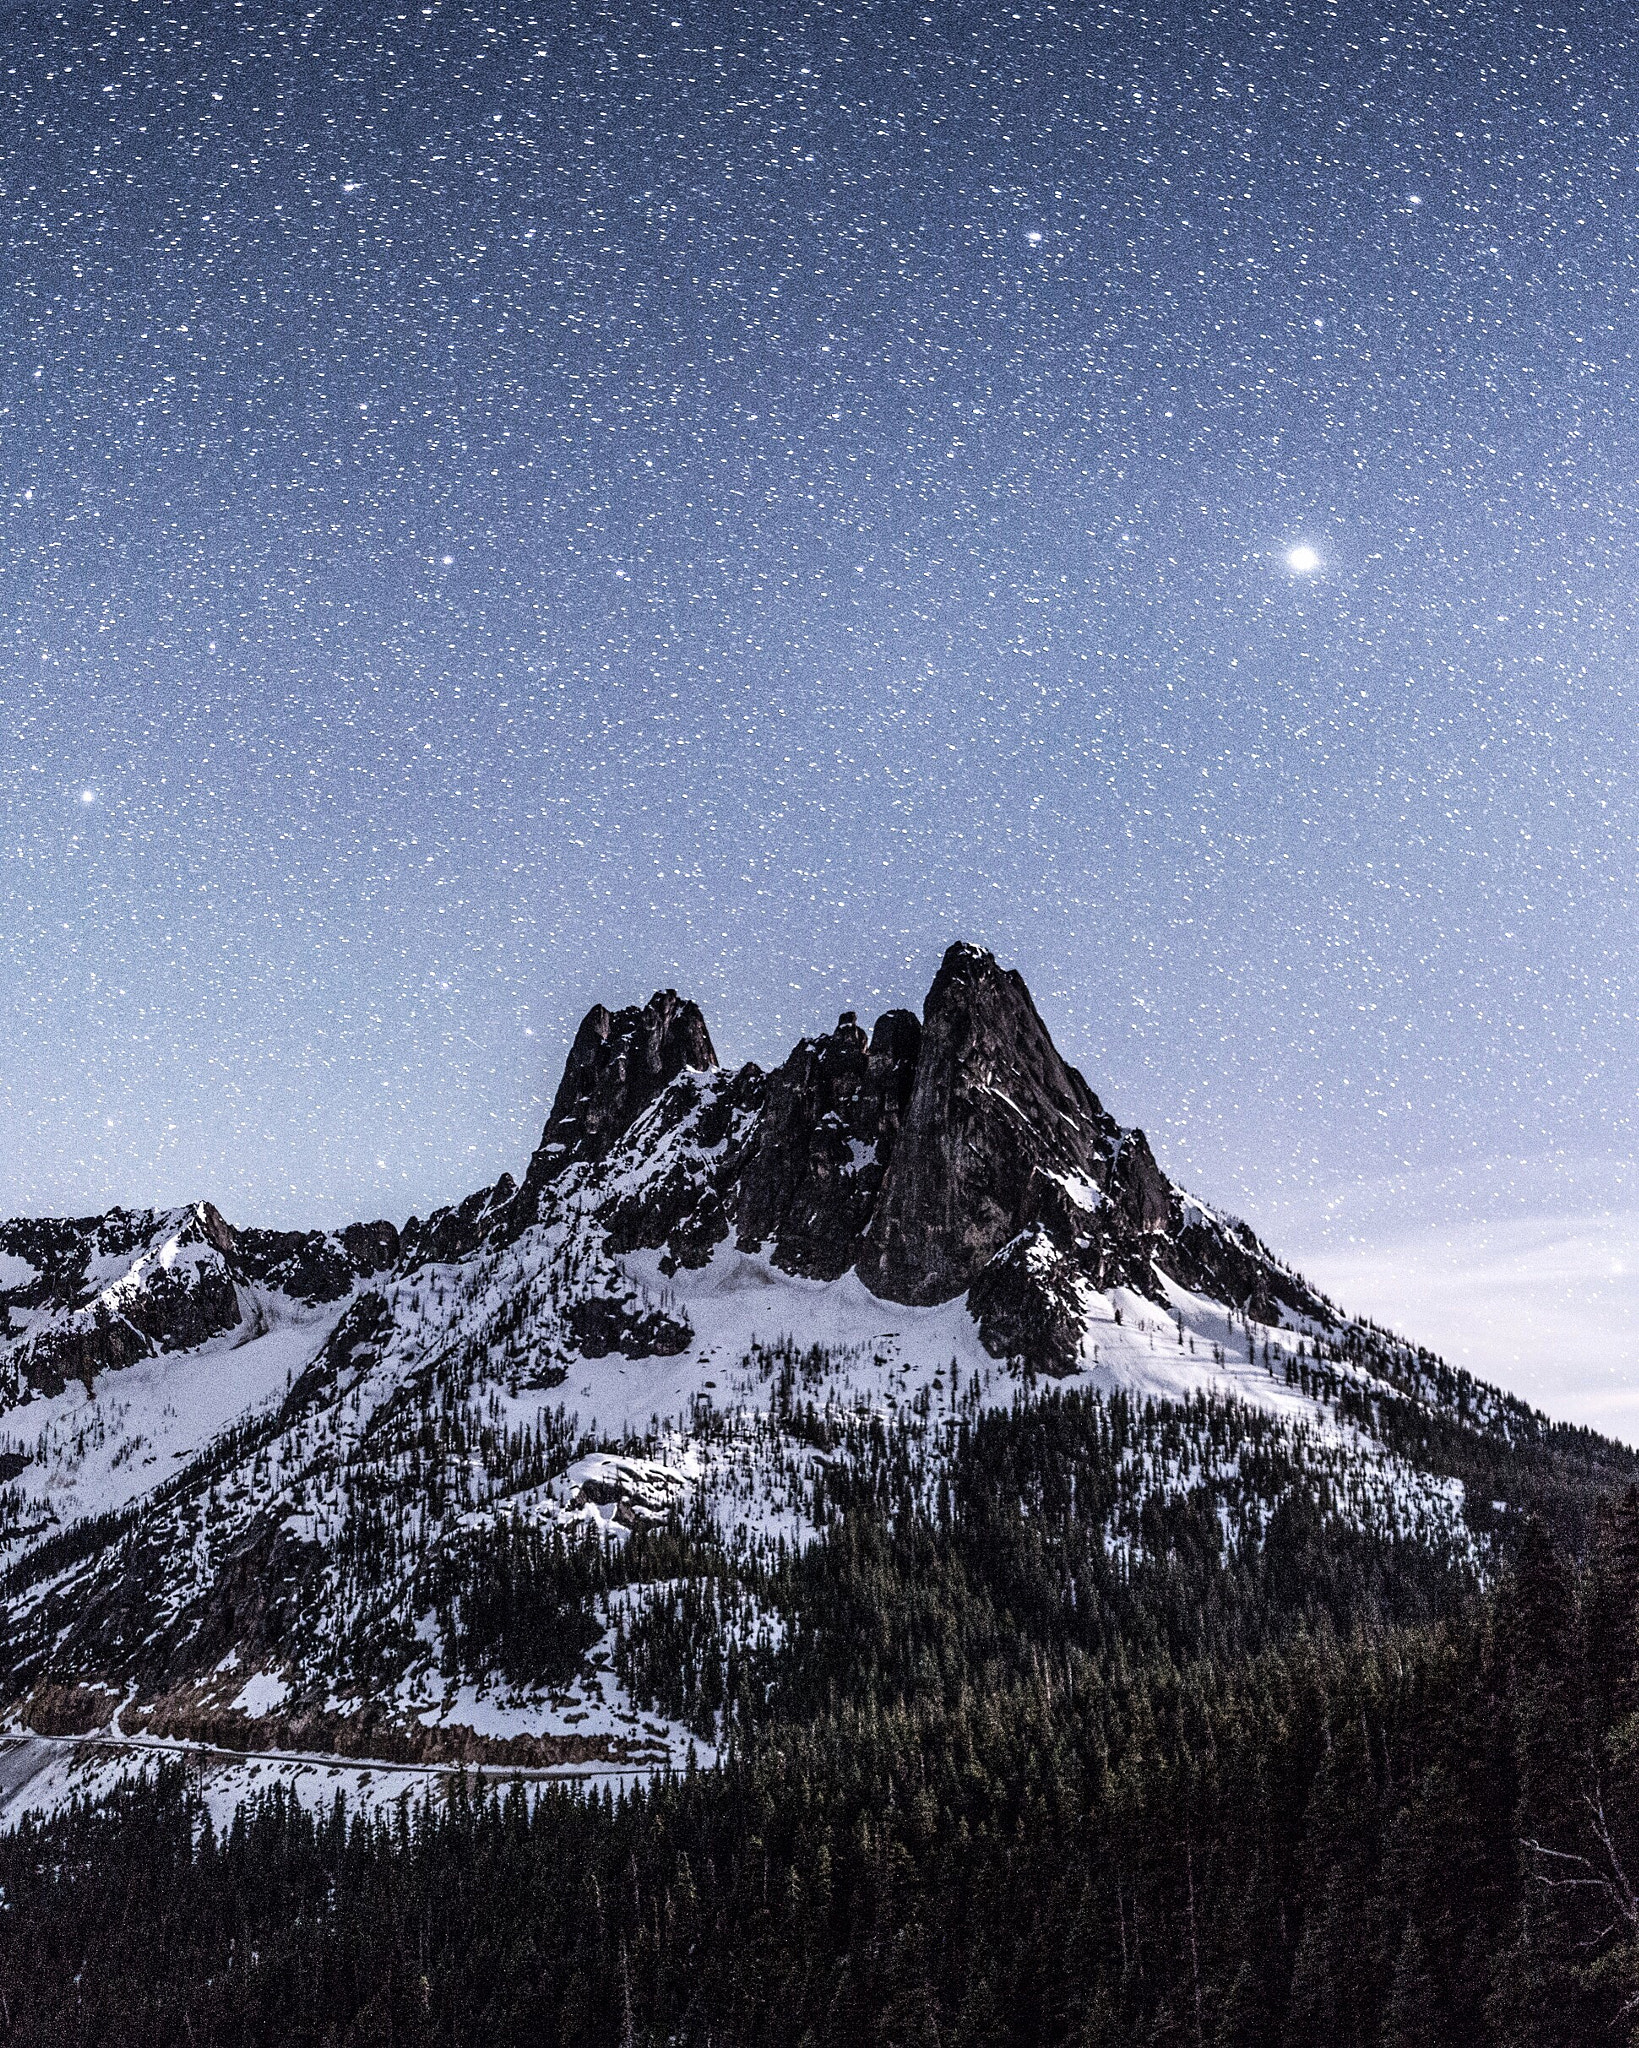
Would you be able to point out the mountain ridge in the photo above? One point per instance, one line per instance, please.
(273, 1490)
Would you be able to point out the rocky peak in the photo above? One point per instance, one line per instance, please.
(618, 1064)
(831, 1114)
(896, 1044)
(108, 1290)
(954, 1154)
(999, 1134)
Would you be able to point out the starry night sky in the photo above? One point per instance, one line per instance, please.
(504, 509)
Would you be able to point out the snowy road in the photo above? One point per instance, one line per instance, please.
(39, 1773)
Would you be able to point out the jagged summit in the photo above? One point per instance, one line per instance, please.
(271, 1489)
(1000, 1134)
(831, 1115)
(619, 1062)
(936, 1156)
(948, 1156)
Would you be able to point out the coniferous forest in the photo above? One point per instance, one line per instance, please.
(1006, 1783)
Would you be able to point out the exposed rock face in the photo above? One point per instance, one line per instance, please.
(1136, 1210)
(960, 1153)
(454, 1233)
(679, 1166)
(57, 1262)
(831, 1115)
(1027, 1304)
(620, 1061)
(617, 1065)
(356, 1341)
(262, 1586)
(313, 1265)
(996, 1126)
(91, 1344)
(1224, 1259)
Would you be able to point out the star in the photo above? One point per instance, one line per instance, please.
(1302, 559)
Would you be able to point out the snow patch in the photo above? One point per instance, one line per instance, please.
(16, 1273)
(263, 1693)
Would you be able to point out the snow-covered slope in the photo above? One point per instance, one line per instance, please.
(129, 1341)
(457, 1494)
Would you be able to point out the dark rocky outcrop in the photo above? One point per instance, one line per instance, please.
(177, 1291)
(601, 1323)
(95, 1342)
(136, 1283)
(42, 1260)
(257, 1594)
(456, 1232)
(1027, 1305)
(72, 1709)
(314, 1265)
(1223, 1258)
(61, 1250)
(45, 1259)
(997, 1122)
(1131, 1219)
(618, 1064)
(830, 1117)
(178, 1309)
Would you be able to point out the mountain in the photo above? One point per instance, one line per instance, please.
(1011, 1604)
(553, 1477)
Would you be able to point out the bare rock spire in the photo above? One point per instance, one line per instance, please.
(618, 1064)
(1000, 1134)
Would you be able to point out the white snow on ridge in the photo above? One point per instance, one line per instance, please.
(15, 1273)
(741, 1299)
(92, 1454)
(109, 1274)
(697, 1415)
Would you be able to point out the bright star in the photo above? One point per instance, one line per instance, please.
(1302, 559)
(88, 796)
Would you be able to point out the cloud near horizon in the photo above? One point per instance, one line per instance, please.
(1546, 1305)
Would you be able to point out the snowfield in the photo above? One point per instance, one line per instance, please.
(99, 1452)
